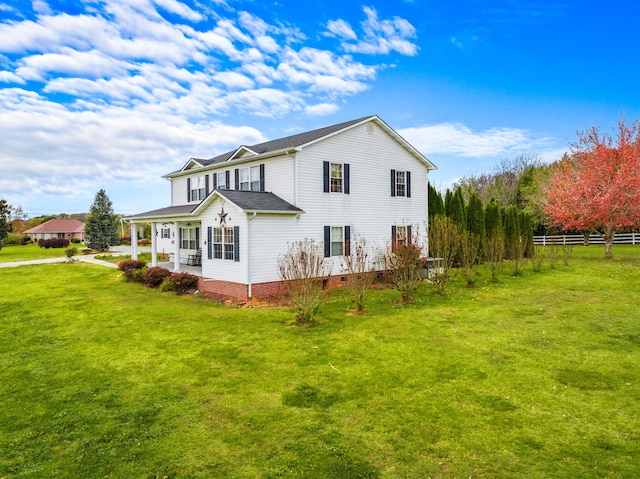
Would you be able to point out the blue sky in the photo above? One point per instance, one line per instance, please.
(115, 93)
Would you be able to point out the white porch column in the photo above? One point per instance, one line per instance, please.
(134, 241)
(176, 246)
(154, 244)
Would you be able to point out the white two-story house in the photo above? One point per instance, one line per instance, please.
(242, 209)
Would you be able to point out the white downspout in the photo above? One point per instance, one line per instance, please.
(249, 284)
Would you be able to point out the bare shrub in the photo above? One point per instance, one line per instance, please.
(302, 268)
(469, 247)
(402, 263)
(567, 254)
(538, 257)
(495, 254)
(553, 251)
(444, 242)
(358, 265)
(518, 262)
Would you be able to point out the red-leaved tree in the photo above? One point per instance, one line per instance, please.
(598, 187)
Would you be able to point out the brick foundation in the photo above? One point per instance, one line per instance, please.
(262, 291)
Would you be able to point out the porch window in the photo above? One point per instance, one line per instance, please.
(165, 233)
(189, 238)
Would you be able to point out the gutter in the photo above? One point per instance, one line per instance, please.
(249, 282)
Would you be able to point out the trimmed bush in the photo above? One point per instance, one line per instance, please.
(133, 269)
(53, 243)
(180, 283)
(16, 239)
(76, 240)
(154, 276)
(71, 251)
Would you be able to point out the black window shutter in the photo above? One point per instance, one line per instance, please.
(236, 243)
(180, 238)
(214, 177)
(325, 169)
(346, 178)
(262, 177)
(393, 238)
(188, 189)
(393, 182)
(409, 237)
(197, 238)
(206, 185)
(227, 177)
(237, 175)
(347, 240)
(327, 241)
(209, 245)
(408, 184)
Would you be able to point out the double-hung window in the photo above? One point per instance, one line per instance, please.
(221, 180)
(189, 238)
(336, 240)
(223, 243)
(400, 235)
(401, 183)
(250, 178)
(336, 177)
(197, 188)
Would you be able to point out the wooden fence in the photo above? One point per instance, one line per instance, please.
(620, 238)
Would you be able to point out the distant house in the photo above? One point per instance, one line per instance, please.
(56, 228)
(239, 211)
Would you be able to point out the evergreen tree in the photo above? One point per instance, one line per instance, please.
(5, 227)
(526, 232)
(436, 205)
(475, 221)
(101, 226)
(493, 218)
(456, 212)
(512, 232)
(448, 200)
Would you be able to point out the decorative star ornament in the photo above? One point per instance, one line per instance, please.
(223, 217)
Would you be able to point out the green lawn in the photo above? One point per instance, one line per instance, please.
(31, 251)
(534, 377)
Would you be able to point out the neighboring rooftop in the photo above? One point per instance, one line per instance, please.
(58, 226)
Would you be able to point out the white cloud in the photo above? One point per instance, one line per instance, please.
(341, 29)
(321, 109)
(180, 9)
(460, 140)
(380, 37)
(234, 80)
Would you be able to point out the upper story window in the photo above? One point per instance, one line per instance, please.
(221, 182)
(401, 183)
(197, 188)
(336, 177)
(250, 178)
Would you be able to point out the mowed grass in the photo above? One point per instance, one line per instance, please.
(30, 252)
(534, 377)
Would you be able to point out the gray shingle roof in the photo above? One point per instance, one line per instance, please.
(258, 201)
(283, 143)
(164, 212)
